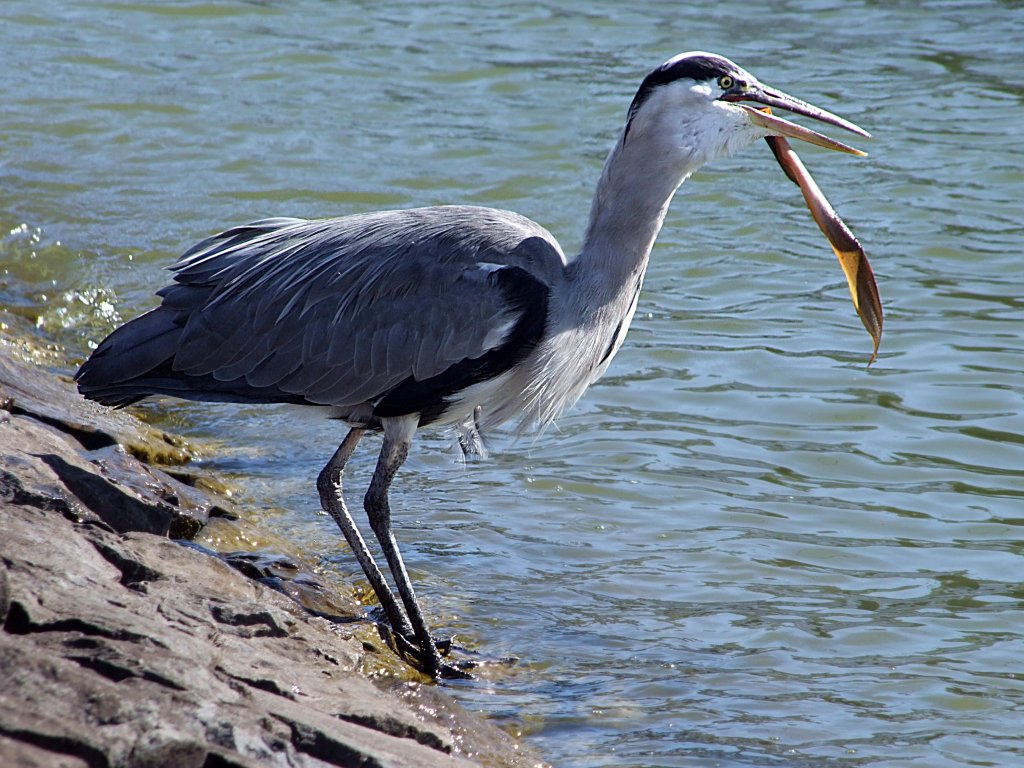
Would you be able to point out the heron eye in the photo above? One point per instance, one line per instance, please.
(725, 82)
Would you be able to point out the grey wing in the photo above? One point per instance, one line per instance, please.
(398, 307)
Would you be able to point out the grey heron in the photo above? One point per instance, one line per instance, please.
(448, 315)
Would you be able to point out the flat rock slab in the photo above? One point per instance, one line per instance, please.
(61, 452)
(121, 647)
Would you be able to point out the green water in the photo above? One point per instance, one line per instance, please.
(742, 548)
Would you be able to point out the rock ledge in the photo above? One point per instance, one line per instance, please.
(121, 647)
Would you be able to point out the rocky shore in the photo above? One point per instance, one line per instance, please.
(123, 645)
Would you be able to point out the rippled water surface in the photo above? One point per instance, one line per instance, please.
(743, 547)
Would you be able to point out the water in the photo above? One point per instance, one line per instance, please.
(743, 548)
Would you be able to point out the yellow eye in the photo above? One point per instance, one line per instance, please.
(725, 82)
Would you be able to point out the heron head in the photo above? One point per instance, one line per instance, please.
(702, 105)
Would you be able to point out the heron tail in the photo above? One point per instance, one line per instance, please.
(117, 371)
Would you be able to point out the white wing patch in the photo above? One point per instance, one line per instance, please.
(497, 335)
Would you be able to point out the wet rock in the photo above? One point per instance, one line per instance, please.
(102, 639)
(46, 429)
(40, 468)
(121, 647)
(26, 389)
(284, 575)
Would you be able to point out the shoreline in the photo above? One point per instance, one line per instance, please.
(121, 646)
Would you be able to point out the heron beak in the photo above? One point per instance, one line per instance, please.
(776, 126)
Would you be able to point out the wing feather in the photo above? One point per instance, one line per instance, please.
(340, 311)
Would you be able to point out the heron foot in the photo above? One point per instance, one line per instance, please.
(430, 661)
(446, 646)
(455, 671)
(449, 669)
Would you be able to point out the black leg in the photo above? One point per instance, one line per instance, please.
(333, 502)
(392, 454)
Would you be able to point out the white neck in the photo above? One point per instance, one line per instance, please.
(636, 187)
(670, 138)
(676, 132)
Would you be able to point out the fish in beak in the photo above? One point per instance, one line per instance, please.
(859, 275)
(849, 251)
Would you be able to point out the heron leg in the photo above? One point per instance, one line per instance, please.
(393, 453)
(332, 499)
(471, 439)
